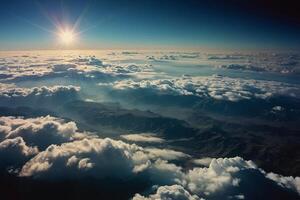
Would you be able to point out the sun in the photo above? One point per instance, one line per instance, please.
(67, 36)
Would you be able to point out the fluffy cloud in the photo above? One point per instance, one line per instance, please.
(48, 147)
(14, 152)
(142, 137)
(219, 174)
(10, 95)
(87, 60)
(267, 61)
(103, 158)
(288, 182)
(217, 87)
(70, 154)
(52, 66)
(18, 146)
(41, 131)
(125, 69)
(98, 157)
(175, 192)
(11, 91)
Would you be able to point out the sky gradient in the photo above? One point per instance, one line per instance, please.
(150, 24)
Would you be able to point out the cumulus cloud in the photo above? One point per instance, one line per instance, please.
(87, 60)
(18, 146)
(11, 91)
(14, 152)
(143, 137)
(99, 157)
(48, 147)
(268, 61)
(96, 157)
(219, 174)
(71, 154)
(53, 66)
(217, 87)
(103, 158)
(288, 182)
(10, 95)
(41, 131)
(175, 192)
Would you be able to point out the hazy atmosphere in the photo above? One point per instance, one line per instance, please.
(149, 100)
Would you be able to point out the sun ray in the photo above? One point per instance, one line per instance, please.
(67, 36)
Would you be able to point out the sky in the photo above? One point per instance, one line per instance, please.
(33, 24)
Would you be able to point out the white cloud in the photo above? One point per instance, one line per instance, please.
(277, 109)
(101, 158)
(41, 131)
(96, 157)
(217, 87)
(238, 196)
(17, 146)
(143, 137)
(203, 161)
(49, 66)
(288, 182)
(166, 154)
(218, 175)
(174, 192)
(14, 152)
(11, 91)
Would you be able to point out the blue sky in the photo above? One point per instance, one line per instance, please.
(149, 24)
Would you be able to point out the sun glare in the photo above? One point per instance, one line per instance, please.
(67, 36)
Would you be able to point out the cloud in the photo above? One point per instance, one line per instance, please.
(103, 158)
(224, 57)
(242, 67)
(72, 155)
(268, 61)
(96, 157)
(143, 137)
(277, 109)
(130, 52)
(10, 95)
(11, 91)
(283, 181)
(40, 132)
(216, 87)
(166, 154)
(162, 58)
(175, 192)
(203, 161)
(87, 60)
(59, 66)
(218, 175)
(14, 152)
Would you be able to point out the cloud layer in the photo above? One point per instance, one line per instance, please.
(44, 148)
(216, 87)
(59, 151)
